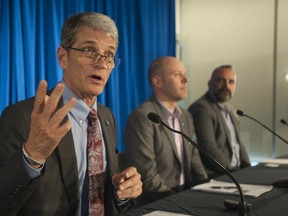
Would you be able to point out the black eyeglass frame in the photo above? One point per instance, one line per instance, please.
(98, 56)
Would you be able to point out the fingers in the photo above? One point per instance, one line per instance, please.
(46, 105)
(40, 95)
(46, 126)
(124, 175)
(53, 100)
(62, 112)
(128, 183)
(59, 116)
(130, 171)
(39, 99)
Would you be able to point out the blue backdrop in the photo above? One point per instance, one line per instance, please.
(30, 35)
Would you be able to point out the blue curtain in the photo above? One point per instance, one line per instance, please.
(30, 35)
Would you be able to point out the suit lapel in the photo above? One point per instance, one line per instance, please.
(171, 138)
(65, 153)
(68, 164)
(220, 117)
(186, 149)
(234, 121)
(169, 133)
(109, 139)
(224, 124)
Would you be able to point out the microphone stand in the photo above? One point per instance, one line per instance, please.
(283, 122)
(241, 113)
(282, 182)
(242, 205)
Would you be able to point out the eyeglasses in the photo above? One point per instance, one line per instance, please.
(92, 56)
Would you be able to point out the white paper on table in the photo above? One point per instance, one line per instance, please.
(275, 161)
(249, 190)
(163, 213)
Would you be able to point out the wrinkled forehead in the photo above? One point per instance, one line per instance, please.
(89, 31)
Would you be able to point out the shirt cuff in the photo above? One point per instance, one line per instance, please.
(120, 202)
(33, 172)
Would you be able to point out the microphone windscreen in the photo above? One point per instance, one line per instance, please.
(240, 112)
(283, 121)
(154, 117)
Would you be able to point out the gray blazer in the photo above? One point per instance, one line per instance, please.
(212, 134)
(152, 150)
(56, 191)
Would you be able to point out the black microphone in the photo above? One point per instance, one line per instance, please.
(283, 121)
(241, 113)
(242, 206)
(282, 182)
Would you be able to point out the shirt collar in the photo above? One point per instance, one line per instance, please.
(170, 113)
(81, 110)
(223, 109)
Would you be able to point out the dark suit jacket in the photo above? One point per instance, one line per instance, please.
(152, 150)
(213, 135)
(56, 191)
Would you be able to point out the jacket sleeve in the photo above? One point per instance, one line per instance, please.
(139, 152)
(16, 186)
(207, 127)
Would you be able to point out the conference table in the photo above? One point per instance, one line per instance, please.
(191, 202)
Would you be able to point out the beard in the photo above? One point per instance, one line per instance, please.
(223, 95)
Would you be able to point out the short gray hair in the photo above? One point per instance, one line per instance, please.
(220, 68)
(94, 20)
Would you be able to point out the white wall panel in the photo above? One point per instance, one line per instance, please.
(241, 33)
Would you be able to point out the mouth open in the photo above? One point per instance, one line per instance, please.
(95, 77)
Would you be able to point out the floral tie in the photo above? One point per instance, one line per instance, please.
(95, 166)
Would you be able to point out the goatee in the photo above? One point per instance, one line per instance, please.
(223, 96)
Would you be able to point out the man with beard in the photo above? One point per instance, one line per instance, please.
(217, 126)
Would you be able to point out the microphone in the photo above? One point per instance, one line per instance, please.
(283, 122)
(242, 206)
(241, 113)
(282, 182)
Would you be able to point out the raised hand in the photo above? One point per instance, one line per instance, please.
(47, 127)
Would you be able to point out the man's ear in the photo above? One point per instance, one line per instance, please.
(209, 83)
(62, 56)
(157, 81)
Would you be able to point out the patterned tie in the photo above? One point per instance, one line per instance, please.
(95, 166)
(179, 146)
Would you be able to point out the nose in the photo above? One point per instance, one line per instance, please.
(100, 62)
(185, 78)
(225, 84)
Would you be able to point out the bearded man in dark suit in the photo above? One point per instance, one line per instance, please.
(217, 125)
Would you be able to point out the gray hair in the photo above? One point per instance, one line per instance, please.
(220, 68)
(92, 19)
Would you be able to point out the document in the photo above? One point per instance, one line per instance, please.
(163, 213)
(248, 190)
(275, 161)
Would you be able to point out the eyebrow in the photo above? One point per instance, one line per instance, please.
(95, 43)
(178, 72)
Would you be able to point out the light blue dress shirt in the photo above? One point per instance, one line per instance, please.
(79, 123)
(235, 161)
